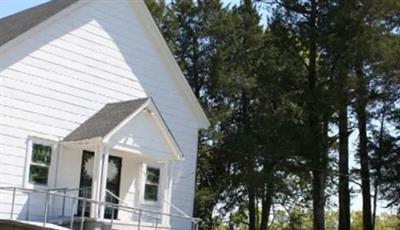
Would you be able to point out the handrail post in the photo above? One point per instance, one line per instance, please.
(156, 223)
(12, 204)
(28, 205)
(72, 214)
(46, 209)
(140, 219)
(63, 204)
(112, 214)
(83, 213)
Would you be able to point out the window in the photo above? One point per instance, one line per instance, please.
(40, 164)
(152, 182)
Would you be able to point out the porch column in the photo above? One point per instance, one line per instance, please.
(103, 184)
(96, 181)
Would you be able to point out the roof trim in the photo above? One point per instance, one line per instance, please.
(95, 141)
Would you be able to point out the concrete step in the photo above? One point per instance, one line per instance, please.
(28, 225)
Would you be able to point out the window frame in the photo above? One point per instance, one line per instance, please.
(45, 142)
(159, 185)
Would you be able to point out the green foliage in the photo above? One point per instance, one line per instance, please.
(272, 93)
(383, 222)
(298, 219)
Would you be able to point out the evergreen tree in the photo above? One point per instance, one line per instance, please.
(272, 94)
(375, 23)
(304, 37)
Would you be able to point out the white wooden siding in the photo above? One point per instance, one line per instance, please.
(66, 69)
(143, 135)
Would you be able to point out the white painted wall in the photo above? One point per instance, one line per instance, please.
(60, 73)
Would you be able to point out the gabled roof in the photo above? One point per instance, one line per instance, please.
(101, 123)
(113, 116)
(15, 25)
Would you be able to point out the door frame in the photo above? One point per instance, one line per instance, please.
(85, 191)
(118, 187)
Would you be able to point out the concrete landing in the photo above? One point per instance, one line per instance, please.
(27, 225)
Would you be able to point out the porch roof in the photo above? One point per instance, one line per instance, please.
(113, 116)
(101, 123)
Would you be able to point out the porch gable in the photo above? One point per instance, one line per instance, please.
(134, 126)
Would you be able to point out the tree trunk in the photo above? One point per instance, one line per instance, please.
(268, 198)
(362, 96)
(252, 208)
(378, 169)
(344, 192)
(315, 138)
(318, 199)
(365, 181)
(249, 165)
(375, 200)
(319, 178)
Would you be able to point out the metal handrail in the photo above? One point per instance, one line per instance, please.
(193, 219)
(140, 213)
(178, 209)
(116, 197)
(53, 192)
(94, 201)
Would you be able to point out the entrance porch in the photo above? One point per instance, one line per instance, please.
(123, 154)
(107, 175)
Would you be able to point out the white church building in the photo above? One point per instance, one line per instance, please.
(98, 125)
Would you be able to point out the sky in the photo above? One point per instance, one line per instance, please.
(9, 7)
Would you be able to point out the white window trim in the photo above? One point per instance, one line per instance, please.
(28, 161)
(161, 183)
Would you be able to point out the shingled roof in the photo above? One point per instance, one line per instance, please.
(101, 123)
(16, 24)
